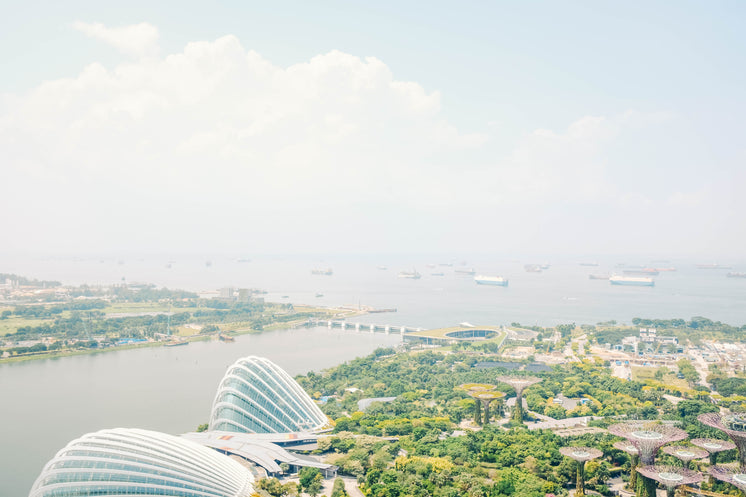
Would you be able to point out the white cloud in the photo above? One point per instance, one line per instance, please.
(136, 40)
(218, 147)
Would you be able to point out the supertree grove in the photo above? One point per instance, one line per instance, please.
(713, 446)
(734, 425)
(735, 477)
(580, 455)
(519, 384)
(634, 456)
(670, 476)
(483, 394)
(647, 438)
(685, 454)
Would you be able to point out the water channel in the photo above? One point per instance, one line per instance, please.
(45, 404)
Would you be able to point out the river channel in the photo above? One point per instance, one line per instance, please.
(45, 404)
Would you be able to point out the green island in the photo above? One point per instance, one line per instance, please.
(43, 319)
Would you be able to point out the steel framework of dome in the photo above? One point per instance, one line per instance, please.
(670, 476)
(257, 396)
(734, 425)
(684, 453)
(580, 455)
(713, 446)
(124, 461)
(519, 384)
(647, 438)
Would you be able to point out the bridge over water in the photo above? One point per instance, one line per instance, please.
(372, 328)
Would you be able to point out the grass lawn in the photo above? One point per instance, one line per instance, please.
(11, 324)
(135, 307)
(640, 373)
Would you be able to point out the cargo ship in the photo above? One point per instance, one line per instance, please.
(712, 266)
(641, 272)
(324, 272)
(598, 276)
(412, 275)
(491, 280)
(736, 275)
(631, 281)
(465, 270)
(533, 268)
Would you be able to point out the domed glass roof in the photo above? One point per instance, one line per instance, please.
(129, 462)
(257, 396)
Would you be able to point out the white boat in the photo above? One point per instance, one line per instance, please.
(323, 272)
(465, 270)
(647, 271)
(631, 281)
(413, 275)
(491, 280)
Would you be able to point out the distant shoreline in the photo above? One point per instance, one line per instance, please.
(279, 325)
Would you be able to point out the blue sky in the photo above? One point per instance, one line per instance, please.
(657, 88)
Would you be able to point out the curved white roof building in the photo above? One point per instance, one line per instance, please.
(125, 462)
(257, 396)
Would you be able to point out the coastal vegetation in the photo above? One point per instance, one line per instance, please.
(88, 319)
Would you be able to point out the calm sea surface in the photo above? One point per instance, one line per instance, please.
(45, 404)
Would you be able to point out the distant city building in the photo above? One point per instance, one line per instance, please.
(244, 295)
(257, 396)
(648, 334)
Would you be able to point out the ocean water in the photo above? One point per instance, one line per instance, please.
(561, 294)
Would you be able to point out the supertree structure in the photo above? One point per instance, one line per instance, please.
(519, 384)
(734, 425)
(483, 395)
(685, 454)
(733, 476)
(634, 456)
(713, 446)
(485, 398)
(580, 455)
(648, 438)
(670, 476)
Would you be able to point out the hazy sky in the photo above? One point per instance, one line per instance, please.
(254, 127)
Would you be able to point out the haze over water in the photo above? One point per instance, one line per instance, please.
(561, 294)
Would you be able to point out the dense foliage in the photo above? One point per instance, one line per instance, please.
(424, 443)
